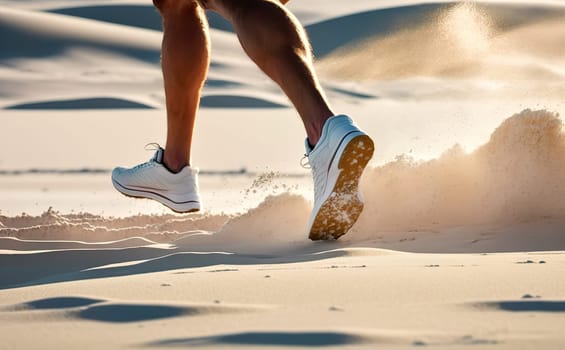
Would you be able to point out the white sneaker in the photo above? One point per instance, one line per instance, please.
(337, 162)
(152, 180)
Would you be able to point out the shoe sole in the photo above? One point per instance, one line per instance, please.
(180, 208)
(342, 208)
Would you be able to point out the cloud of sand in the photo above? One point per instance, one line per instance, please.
(516, 176)
(458, 42)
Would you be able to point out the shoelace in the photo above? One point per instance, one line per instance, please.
(152, 146)
(305, 162)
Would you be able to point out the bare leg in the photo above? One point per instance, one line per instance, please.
(277, 43)
(185, 61)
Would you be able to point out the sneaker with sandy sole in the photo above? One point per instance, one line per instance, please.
(152, 180)
(337, 161)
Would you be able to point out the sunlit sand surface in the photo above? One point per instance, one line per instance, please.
(461, 242)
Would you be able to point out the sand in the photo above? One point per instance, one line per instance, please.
(461, 243)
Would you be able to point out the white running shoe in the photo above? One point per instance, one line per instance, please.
(152, 180)
(337, 162)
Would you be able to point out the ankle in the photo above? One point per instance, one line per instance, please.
(314, 131)
(174, 164)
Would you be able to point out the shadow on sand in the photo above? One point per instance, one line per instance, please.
(22, 270)
(100, 310)
(528, 306)
(313, 339)
(57, 303)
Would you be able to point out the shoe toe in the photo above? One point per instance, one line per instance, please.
(117, 172)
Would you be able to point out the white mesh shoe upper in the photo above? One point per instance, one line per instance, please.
(153, 180)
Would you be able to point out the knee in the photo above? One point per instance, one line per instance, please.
(269, 23)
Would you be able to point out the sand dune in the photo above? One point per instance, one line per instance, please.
(84, 103)
(356, 37)
(31, 34)
(135, 15)
(104, 59)
(348, 30)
